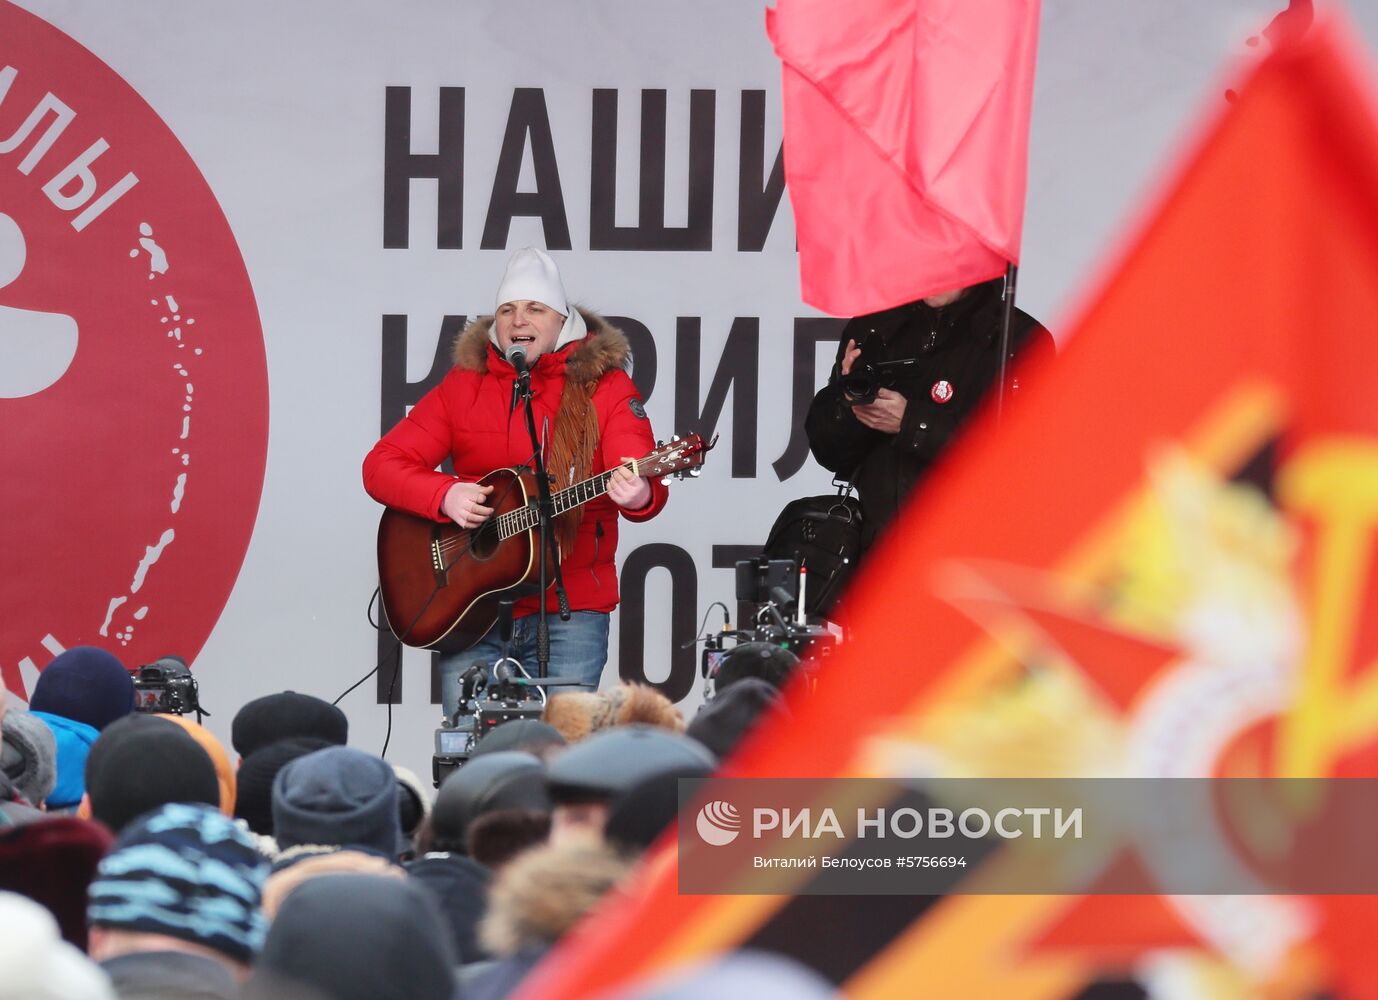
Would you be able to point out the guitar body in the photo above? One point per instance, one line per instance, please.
(440, 583)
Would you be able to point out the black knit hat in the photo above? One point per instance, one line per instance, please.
(284, 715)
(254, 799)
(142, 762)
(85, 684)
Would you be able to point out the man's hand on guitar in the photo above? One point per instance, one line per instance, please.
(463, 504)
(629, 491)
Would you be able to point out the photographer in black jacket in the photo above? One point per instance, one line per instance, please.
(904, 381)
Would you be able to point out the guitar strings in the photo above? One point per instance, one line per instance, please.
(523, 519)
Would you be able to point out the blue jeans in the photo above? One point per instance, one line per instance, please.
(578, 650)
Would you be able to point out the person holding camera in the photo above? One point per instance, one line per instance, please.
(904, 381)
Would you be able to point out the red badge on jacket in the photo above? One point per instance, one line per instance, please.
(941, 391)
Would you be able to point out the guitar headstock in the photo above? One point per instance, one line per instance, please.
(679, 457)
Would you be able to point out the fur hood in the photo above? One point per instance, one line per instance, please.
(580, 714)
(544, 892)
(603, 350)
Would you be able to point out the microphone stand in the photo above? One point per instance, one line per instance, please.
(545, 508)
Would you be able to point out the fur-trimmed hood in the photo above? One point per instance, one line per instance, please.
(579, 714)
(544, 892)
(605, 349)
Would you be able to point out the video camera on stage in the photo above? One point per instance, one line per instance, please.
(769, 610)
(488, 698)
(167, 687)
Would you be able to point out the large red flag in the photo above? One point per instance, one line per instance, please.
(1165, 566)
(906, 143)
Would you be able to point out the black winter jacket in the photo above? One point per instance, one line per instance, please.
(958, 344)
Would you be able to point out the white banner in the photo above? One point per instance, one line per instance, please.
(235, 242)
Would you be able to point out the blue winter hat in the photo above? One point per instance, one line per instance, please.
(73, 740)
(186, 871)
(337, 797)
(85, 684)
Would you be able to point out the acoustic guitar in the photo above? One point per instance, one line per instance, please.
(440, 584)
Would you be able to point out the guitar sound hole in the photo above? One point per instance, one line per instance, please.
(484, 540)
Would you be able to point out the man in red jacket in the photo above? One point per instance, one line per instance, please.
(582, 392)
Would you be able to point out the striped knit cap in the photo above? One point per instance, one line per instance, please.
(187, 871)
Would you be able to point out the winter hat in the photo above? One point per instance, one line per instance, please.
(254, 780)
(358, 937)
(611, 762)
(143, 762)
(74, 741)
(53, 861)
(29, 755)
(285, 715)
(494, 782)
(643, 812)
(722, 722)
(339, 797)
(531, 274)
(187, 872)
(580, 713)
(765, 660)
(38, 964)
(224, 770)
(85, 684)
(531, 735)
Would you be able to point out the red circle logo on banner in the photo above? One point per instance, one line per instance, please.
(133, 382)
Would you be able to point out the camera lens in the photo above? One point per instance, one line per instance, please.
(860, 387)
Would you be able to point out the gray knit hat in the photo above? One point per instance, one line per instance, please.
(337, 797)
(29, 755)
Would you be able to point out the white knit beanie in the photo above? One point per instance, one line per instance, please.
(37, 963)
(531, 274)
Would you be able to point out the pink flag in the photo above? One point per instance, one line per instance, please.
(906, 143)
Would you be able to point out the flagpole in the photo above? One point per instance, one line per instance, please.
(1007, 296)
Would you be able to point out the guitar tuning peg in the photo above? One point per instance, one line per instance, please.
(660, 444)
(665, 480)
(675, 438)
(694, 473)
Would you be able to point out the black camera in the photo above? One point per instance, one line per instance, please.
(485, 702)
(166, 686)
(863, 383)
(768, 608)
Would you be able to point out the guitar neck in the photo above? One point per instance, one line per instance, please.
(526, 518)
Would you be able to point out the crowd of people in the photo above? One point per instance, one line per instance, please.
(139, 857)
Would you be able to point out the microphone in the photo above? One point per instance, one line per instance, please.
(516, 357)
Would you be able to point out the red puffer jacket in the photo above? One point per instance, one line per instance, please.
(469, 417)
